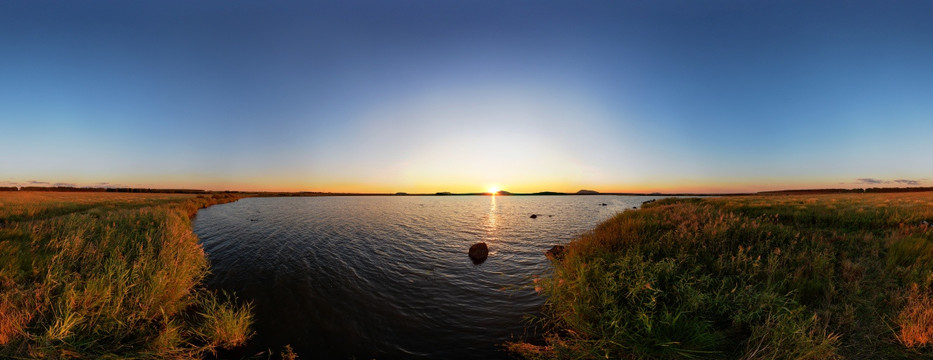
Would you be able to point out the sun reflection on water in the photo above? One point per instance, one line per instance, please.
(491, 219)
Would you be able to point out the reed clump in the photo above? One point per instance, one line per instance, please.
(757, 277)
(91, 275)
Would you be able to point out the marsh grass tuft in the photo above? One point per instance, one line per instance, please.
(88, 275)
(224, 324)
(916, 318)
(756, 277)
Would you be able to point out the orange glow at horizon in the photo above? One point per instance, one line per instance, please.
(388, 185)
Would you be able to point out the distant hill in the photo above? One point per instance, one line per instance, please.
(587, 192)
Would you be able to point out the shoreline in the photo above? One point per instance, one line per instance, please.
(807, 275)
(118, 275)
(799, 258)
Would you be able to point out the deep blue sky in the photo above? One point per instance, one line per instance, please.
(460, 96)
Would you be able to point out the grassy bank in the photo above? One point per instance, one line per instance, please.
(759, 277)
(109, 275)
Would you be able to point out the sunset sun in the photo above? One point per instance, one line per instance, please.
(493, 189)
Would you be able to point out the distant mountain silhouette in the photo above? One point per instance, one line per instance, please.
(587, 192)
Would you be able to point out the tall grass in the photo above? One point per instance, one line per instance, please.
(89, 275)
(761, 277)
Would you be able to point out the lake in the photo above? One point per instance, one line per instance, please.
(388, 276)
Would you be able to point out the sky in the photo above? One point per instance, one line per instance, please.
(428, 96)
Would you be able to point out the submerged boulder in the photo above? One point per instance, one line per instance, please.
(479, 252)
(555, 253)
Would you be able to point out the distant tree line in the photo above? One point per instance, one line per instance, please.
(173, 191)
(909, 189)
(90, 189)
(58, 188)
(841, 191)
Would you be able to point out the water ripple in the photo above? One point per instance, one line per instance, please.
(388, 277)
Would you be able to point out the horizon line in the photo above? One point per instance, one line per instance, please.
(448, 193)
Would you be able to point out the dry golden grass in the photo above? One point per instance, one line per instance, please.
(39, 198)
(91, 275)
(751, 277)
(29, 203)
(916, 319)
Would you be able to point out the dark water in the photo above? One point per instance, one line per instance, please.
(389, 277)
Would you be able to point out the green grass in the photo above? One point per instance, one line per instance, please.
(759, 277)
(98, 275)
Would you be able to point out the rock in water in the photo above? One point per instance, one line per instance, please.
(556, 252)
(479, 252)
(533, 216)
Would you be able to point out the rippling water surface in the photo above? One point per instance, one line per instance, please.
(389, 277)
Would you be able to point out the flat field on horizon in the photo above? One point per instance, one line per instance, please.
(15, 204)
